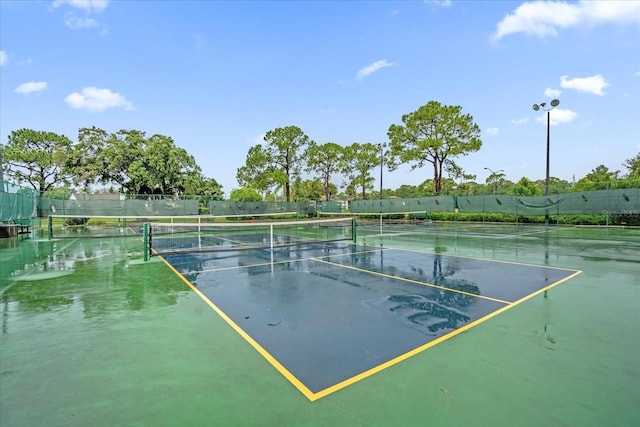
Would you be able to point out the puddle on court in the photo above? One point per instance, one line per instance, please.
(331, 314)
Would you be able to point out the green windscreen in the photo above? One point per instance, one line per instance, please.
(17, 204)
(620, 201)
(222, 207)
(115, 206)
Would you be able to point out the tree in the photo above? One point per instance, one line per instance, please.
(358, 162)
(257, 172)
(245, 195)
(139, 165)
(85, 161)
(310, 189)
(599, 178)
(407, 191)
(279, 161)
(197, 184)
(38, 158)
(433, 134)
(325, 160)
(633, 165)
(167, 166)
(526, 187)
(495, 180)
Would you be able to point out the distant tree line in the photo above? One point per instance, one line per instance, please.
(433, 135)
(128, 161)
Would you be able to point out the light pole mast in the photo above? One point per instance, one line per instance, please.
(494, 175)
(381, 166)
(536, 107)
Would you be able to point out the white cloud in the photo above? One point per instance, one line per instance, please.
(557, 116)
(441, 3)
(80, 23)
(3, 58)
(372, 68)
(552, 93)
(89, 6)
(256, 140)
(97, 100)
(594, 84)
(492, 131)
(30, 87)
(545, 18)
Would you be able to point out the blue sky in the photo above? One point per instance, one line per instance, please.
(216, 76)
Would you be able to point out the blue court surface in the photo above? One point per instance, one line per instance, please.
(328, 316)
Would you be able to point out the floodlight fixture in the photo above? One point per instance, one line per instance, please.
(536, 107)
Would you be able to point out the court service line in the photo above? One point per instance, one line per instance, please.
(431, 285)
(266, 263)
(272, 360)
(483, 259)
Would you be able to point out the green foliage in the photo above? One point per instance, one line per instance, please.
(407, 192)
(245, 195)
(434, 134)
(358, 162)
(310, 189)
(57, 193)
(37, 158)
(196, 184)
(633, 165)
(278, 162)
(599, 178)
(495, 180)
(139, 165)
(599, 219)
(257, 171)
(326, 160)
(525, 187)
(470, 188)
(75, 222)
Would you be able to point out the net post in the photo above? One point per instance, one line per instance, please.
(354, 233)
(50, 226)
(271, 236)
(145, 239)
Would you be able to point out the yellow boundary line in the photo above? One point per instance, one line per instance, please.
(336, 387)
(274, 362)
(430, 344)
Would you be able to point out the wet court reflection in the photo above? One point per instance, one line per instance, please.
(331, 312)
(96, 277)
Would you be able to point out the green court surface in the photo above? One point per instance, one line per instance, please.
(93, 335)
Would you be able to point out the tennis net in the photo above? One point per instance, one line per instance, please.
(166, 238)
(75, 226)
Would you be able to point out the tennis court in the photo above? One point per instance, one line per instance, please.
(414, 324)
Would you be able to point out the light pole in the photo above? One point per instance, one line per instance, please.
(536, 107)
(381, 166)
(494, 174)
